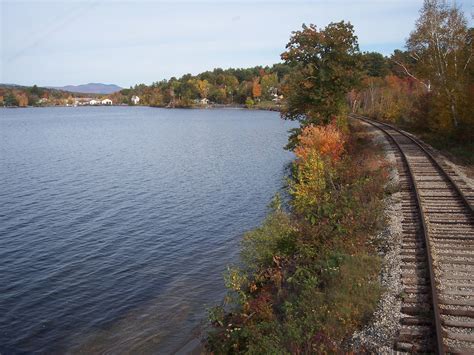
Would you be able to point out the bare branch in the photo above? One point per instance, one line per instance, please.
(414, 56)
(467, 62)
(427, 86)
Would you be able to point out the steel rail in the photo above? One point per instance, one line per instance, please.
(431, 158)
(434, 294)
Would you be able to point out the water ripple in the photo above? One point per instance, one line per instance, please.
(117, 223)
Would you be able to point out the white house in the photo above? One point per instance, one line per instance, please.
(94, 102)
(106, 102)
(277, 98)
(135, 99)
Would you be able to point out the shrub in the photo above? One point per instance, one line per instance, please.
(249, 102)
(327, 141)
(308, 278)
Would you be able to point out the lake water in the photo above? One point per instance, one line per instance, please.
(116, 223)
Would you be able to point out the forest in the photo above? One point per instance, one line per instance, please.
(23, 96)
(243, 86)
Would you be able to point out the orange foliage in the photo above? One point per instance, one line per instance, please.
(390, 98)
(256, 89)
(22, 99)
(327, 141)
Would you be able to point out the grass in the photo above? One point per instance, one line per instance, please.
(462, 153)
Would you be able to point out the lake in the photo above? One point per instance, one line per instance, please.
(116, 223)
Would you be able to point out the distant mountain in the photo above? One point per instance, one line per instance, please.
(91, 88)
(11, 86)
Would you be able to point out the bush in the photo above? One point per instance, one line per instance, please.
(308, 278)
(249, 102)
(326, 141)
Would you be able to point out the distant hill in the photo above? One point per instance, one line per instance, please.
(91, 88)
(11, 86)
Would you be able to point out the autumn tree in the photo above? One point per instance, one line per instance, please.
(256, 89)
(203, 87)
(218, 94)
(325, 69)
(371, 94)
(443, 53)
(269, 83)
(231, 85)
(22, 99)
(173, 87)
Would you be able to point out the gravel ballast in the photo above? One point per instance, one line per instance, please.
(379, 335)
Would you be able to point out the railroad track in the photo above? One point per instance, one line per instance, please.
(437, 251)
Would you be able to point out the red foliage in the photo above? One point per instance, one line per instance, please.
(327, 141)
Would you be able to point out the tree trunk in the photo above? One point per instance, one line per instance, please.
(453, 114)
(452, 102)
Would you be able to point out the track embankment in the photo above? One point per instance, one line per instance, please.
(437, 251)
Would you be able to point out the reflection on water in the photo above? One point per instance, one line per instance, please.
(116, 223)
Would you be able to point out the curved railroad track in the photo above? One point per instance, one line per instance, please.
(437, 251)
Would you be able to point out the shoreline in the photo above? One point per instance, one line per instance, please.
(196, 107)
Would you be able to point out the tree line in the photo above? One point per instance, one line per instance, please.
(23, 96)
(243, 86)
(429, 87)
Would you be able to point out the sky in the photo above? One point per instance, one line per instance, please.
(56, 43)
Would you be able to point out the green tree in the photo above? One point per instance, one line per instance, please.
(280, 69)
(374, 64)
(325, 69)
(231, 85)
(244, 91)
(35, 91)
(10, 100)
(269, 83)
(186, 93)
(403, 64)
(218, 94)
